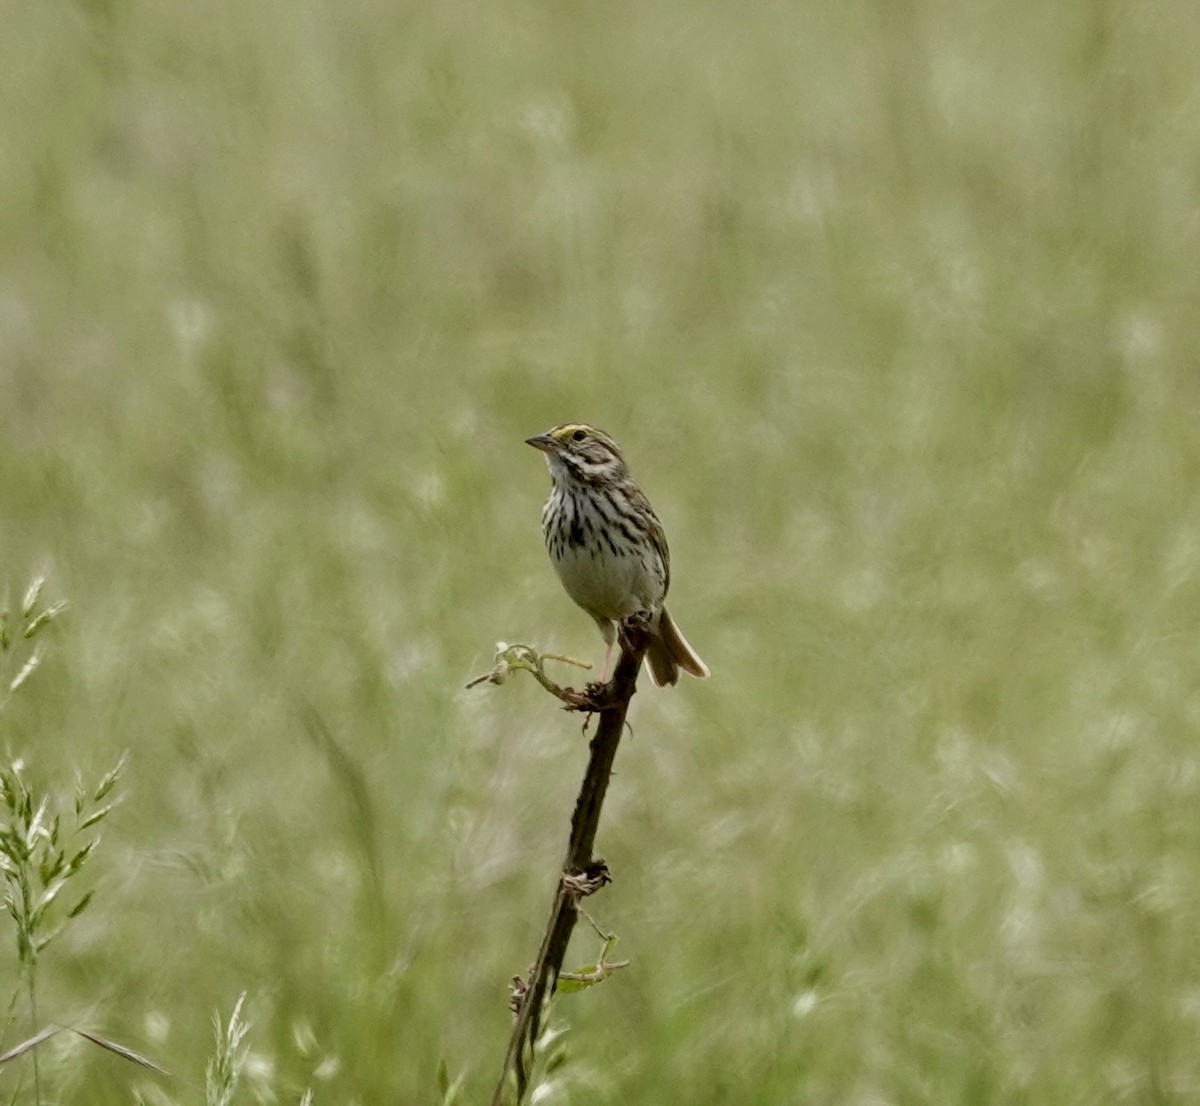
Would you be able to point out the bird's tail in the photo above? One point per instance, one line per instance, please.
(669, 651)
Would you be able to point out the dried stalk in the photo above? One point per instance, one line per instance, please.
(582, 873)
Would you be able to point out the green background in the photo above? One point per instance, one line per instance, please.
(892, 306)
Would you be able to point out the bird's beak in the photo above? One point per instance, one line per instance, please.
(543, 442)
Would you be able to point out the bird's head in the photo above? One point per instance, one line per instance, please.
(578, 452)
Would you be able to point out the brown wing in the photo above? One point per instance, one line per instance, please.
(660, 543)
(658, 536)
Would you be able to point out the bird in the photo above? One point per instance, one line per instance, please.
(608, 546)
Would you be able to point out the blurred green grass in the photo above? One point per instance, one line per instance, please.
(891, 305)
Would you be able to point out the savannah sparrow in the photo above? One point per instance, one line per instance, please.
(608, 546)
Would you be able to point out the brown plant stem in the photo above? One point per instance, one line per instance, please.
(582, 873)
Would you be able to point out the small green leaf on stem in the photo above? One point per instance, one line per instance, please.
(120, 1050)
(81, 905)
(44, 617)
(97, 816)
(111, 777)
(30, 1043)
(449, 1089)
(32, 594)
(27, 670)
(80, 858)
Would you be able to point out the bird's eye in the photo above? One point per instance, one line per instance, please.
(578, 436)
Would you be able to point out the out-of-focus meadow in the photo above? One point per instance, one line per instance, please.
(893, 306)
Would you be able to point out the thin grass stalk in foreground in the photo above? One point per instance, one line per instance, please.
(224, 1069)
(582, 873)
